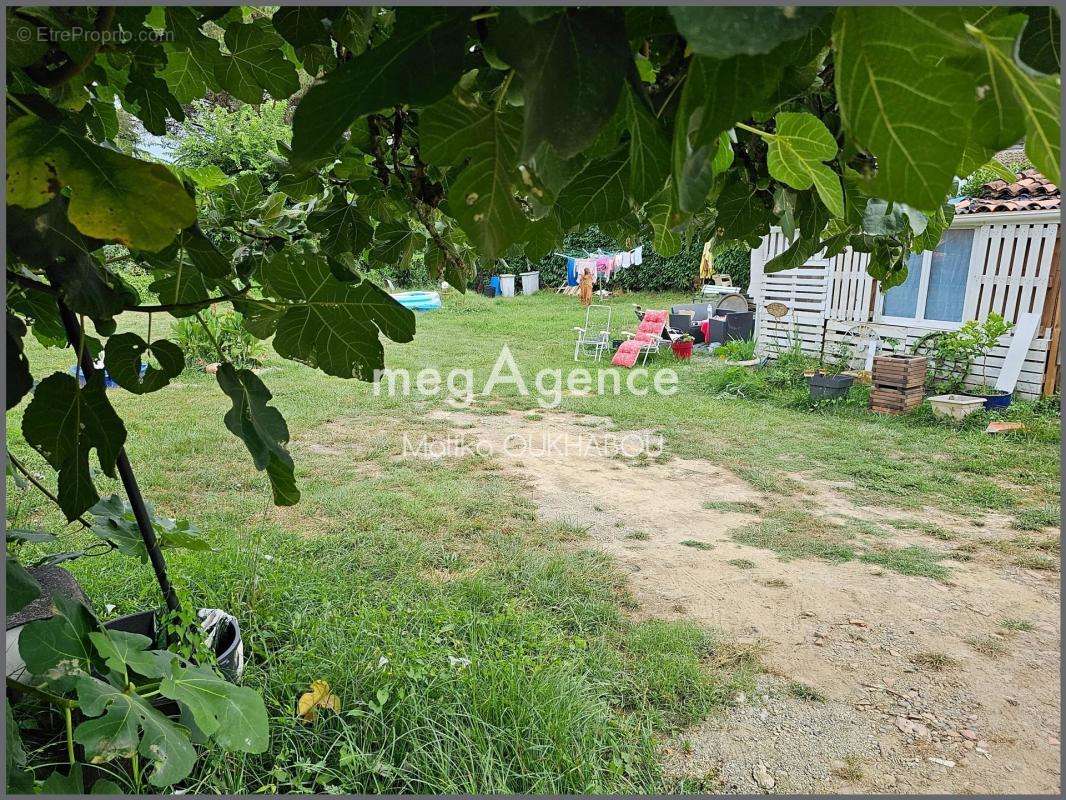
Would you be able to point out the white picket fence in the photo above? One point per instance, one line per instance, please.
(1010, 268)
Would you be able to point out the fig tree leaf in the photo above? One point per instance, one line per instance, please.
(795, 255)
(112, 196)
(21, 588)
(663, 217)
(597, 193)
(63, 423)
(123, 721)
(154, 102)
(122, 359)
(394, 243)
(799, 146)
(741, 214)
(723, 32)
(1040, 45)
(1017, 98)
(331, 325)
(19, 379)
(934, 230)
(301, 25)
(649, 149)
(240, 196)
(261, 428)
(572, 67)
(121, 651)
(481, 196)
(185, 75)
(234, 716)
(44, 237)
(902, 100)
(343, 227)
(717, 93)
(417, 64)
(255, 64)
(60, 641)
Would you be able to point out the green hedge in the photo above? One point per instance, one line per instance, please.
(655, 274)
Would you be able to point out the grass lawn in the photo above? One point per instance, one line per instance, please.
(475, 648)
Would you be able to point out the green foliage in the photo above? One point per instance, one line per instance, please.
(972, 341)
(993, 170)
(66, 654)
(227, 330)
(737, 350)
(233, 140)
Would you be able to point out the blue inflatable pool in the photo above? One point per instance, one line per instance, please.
(419, 301)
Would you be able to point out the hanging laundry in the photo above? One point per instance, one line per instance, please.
(638, 255)
(571, 274)
(582, 264)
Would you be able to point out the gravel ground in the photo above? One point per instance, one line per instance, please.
(773, 741)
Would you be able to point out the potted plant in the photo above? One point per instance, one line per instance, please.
(975, 340)
(682, 347)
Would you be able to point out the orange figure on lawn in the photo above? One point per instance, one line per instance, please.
(585, 287)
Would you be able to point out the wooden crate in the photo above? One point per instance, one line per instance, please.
(895, 401)
(899, 372)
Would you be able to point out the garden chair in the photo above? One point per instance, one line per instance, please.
(593, 338)
(644, 340)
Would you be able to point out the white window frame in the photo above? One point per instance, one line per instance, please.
(919, 320)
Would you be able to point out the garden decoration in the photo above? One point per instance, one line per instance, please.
(777, 312)
(862, 341)
(452, 137)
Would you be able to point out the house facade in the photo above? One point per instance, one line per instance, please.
(1001, 254)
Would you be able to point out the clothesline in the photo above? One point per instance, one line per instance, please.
(601, 265)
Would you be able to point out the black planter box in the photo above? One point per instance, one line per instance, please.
(829, 387)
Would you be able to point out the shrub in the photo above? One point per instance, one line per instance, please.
(227, 329)
(737, 350)
(233, 140)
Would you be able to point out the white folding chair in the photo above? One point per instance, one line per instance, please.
(594, 338)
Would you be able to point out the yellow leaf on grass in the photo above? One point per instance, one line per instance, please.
(320, 696)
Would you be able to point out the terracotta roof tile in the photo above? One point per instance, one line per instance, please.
(1031, 192)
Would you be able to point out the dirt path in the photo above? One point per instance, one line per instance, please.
(908, 703)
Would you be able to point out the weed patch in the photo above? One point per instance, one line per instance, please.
(914, 560)
(733, 506)
(934, 661)
(1018, 625)
(801, 691)
(992, 646)
(796, 534)
(1036, 519)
